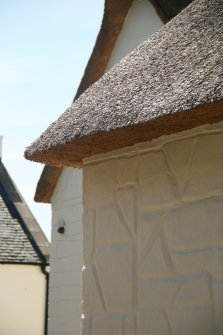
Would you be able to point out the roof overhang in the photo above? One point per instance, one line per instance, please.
(94, 71)
(72, 154)
(114, 16)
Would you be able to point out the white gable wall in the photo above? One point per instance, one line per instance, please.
(153, 237)
(66, 249)
(66, 255)
(140, 23)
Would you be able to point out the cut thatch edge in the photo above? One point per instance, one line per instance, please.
(113, 19)
(47, 182)
(43, 182)
(87, 146)
(94, 70)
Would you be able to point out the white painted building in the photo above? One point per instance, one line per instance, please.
(153, 238)
(152, 182)
(66, 261)
(66, 255)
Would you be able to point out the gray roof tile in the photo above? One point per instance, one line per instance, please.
(17, 242)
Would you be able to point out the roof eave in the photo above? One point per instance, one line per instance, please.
(113, 19)
(72, 154)
(25, 217)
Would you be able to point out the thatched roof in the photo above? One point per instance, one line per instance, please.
(112, 22)
(114, 16)
(167, 84)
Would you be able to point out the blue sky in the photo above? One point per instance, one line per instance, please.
(45, 46)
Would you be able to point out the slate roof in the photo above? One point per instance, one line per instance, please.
(165, 85)
(21, 239)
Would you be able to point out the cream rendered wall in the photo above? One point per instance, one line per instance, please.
(66, 250)
(66, 255)
(22, 300)
(153, 237)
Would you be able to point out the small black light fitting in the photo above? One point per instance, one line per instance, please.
(61, 228)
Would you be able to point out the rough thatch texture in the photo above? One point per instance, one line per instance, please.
(113, 19)
(178, 69)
